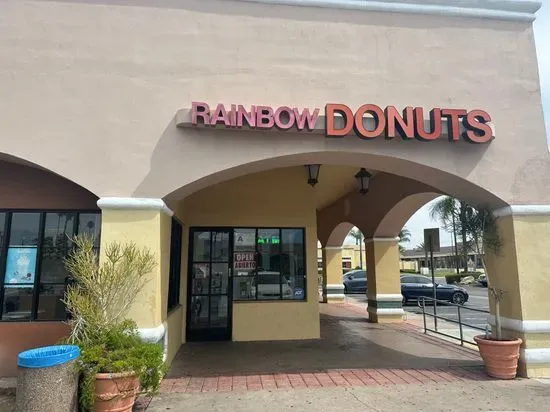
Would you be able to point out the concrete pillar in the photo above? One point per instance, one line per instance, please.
(384, 287)
(147, 223)
(333, 288)
(521, 268)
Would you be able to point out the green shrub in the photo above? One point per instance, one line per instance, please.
(408, 271)
(98, 302)
(119, 349)
(450, 279)
(457, 278)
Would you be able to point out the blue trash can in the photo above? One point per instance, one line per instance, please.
(47, 379)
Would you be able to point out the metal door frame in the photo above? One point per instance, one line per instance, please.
(209, 334)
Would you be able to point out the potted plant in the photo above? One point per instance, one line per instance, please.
(116, 365)
(500, 355)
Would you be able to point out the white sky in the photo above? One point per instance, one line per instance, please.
(421, 219)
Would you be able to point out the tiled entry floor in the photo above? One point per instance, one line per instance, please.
(351, 352)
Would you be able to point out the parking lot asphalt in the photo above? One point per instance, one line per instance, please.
(478, 299)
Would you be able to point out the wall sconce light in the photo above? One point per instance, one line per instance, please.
(363, 178)
(313, 174)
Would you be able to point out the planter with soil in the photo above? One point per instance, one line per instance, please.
(500, 356)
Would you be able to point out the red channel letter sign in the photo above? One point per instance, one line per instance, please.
(389, 122)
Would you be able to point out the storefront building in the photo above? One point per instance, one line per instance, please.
(186, 127)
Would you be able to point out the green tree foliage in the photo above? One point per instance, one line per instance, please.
(98, 301)
(404, 237)
(358, 236)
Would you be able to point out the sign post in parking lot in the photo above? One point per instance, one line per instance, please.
(431, 240)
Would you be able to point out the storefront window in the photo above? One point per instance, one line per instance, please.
(175, 265)
(33, 247)
(269, 264)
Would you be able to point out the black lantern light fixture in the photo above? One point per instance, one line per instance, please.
(363, 178)
(313, 174)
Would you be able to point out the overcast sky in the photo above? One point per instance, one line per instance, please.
(421, 219)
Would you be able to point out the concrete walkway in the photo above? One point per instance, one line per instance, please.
(347, 341)
(518, 395)
(355, 365)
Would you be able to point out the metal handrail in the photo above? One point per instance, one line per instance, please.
(422, 304)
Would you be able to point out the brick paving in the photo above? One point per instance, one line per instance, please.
(343, 324)
(340, 378)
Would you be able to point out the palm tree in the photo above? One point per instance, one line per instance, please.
(424, 247)
(358, 236)
(449, 212)
(404, 237)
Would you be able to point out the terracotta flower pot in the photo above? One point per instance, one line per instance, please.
(500, 356)
(115, 392)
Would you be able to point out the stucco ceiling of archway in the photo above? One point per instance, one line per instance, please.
(391, 200)
(334, 182)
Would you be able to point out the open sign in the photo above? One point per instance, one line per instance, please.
(244, 260)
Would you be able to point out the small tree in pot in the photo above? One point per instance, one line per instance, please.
(499, 355)
(116, 364)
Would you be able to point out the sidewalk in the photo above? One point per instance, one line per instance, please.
(390, 383)
(7, 394)
(519, 395)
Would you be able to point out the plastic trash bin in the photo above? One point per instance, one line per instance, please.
(47, 379)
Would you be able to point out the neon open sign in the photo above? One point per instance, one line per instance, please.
(369, 121)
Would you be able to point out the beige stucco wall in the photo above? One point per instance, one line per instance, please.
(146, 229)
(101, 82)
(521, 267)
(350, 253)
(383, 264)
(175, 325)
(279, 198)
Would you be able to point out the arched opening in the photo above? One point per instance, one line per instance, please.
(39, 212)
(438, 179)
(258, 198)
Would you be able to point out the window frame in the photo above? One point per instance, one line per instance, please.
(255, 276)
(37, 279)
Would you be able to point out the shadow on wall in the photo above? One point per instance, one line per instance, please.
(186, 160)
(247, 8)
(27, 187)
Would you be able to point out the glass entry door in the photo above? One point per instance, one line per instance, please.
(209, 288)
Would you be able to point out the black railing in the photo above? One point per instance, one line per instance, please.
(422, 303)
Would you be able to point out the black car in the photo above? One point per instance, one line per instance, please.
(414, 287)
(355, 281)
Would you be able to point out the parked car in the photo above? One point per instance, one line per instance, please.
(482, 279)
(355, 281)
(414, 287)
(270, 285)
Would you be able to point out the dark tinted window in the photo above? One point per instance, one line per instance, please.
(34, 276)
(24, 229)
(90, 223)
(423, 280)
(2, 228)
(407, 279)
(269, 264)
(175, 265)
